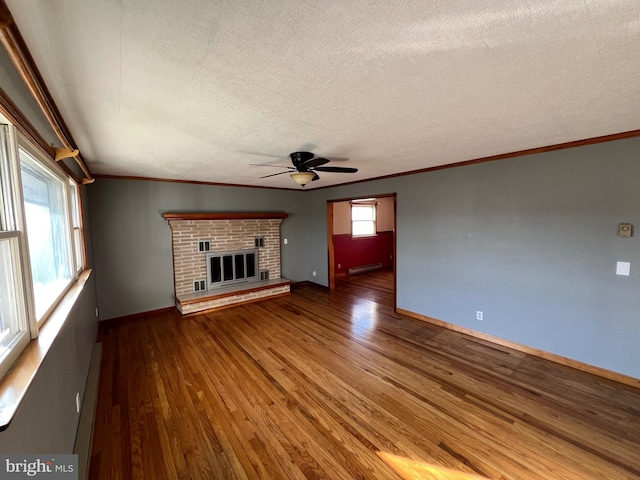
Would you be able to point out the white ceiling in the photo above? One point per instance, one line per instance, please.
(198, 90)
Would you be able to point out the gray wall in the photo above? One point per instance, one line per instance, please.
(530, 241)
(46, 421)
(132, 241)
(13, 86)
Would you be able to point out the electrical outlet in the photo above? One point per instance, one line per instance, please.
(339, 266)
(97, 312)
(623, 268)
(78, 402)
(479, 315)
(313, 273)
(286, 241)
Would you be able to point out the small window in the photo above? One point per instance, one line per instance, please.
(363, 220)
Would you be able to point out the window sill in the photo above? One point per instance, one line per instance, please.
(16, 383)
(366, 235)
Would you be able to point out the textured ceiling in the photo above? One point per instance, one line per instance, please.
(198, 90)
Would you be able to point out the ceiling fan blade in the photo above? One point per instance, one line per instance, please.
(274, 174)
(265, 165)
(260, 154)
(336, 169)
(315, 177)
(315, 162)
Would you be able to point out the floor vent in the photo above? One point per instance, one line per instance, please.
(364, 268)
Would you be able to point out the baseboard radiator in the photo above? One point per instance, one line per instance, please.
(364, 268)
(84, 436)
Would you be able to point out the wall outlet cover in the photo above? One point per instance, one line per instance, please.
(623, 268)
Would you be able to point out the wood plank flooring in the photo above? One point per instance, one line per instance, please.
(337, 386)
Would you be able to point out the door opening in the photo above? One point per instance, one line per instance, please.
(361, 236)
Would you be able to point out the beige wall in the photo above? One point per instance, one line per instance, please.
(384, 214)
(342, 216)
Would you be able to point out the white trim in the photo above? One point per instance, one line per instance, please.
(36, 161)
(20, 342)
(20, 226)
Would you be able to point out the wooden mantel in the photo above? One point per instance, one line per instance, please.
(223, 216)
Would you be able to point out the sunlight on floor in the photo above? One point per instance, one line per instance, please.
(410, 469)
(364, 316)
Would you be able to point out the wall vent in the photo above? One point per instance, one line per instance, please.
(204, 246)
(199, 285)
(258, 242)
(264, 274)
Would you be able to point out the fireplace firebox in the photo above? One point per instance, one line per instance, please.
(228, 268)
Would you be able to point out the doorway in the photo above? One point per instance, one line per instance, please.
(356, 246)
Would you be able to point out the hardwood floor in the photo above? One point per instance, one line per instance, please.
(337, 386)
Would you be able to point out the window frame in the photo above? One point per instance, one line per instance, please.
(373, 206)
(22, 340)
(55, 170)
(11, 230)
(76, 214)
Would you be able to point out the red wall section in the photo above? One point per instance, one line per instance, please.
(355, 252)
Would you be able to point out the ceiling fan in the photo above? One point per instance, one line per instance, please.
(305, 168)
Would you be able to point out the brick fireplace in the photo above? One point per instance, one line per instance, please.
(197, 237)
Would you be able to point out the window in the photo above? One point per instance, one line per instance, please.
(14, 328)
(41, 241)
(47, 217)
(363, 219)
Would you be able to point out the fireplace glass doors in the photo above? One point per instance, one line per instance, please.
(226, 268)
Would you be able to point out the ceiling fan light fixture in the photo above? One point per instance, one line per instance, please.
(302, 178)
